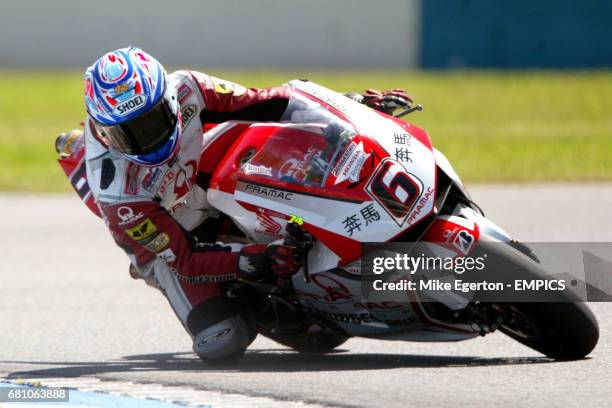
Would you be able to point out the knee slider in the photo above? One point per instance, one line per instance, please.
(227, 338)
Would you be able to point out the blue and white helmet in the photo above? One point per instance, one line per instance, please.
(133, 108)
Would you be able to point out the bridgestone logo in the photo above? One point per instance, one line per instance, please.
(347, 153)
(193, 280)
(359, 318)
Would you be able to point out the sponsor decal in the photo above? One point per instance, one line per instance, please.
(195, 280)
(421, 204)
(183, 92)
(295, 168)
(351, 223)
(213, 337)
(167, 180)
(343, 159)
(151, 178)
(351, 164)
(267, 225)
(378, 305)
(402, 138)
(369, 215)
(460, 238)
(166, 255)
(123, 88)
(225, 87)
(354, 318)
(130, 105)
(332, 101)
(73, 144)
(131, 178)
(353, 269)
(159, 242)
(127, 216)
(249, 168)
(268, 192)
(335, 291)
(188, 112)
(296, 219)
(142, 231)
(402, 155)
(355, 170)
(361, 318)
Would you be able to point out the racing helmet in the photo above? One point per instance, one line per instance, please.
(133, 107)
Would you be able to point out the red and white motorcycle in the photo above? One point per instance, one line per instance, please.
(348, 174)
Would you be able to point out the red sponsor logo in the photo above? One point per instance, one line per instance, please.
(131, 178)
(461, 239)
(127, 215)
(334, 289)
(268, 225)
(454, 233)
(166, 182)
(183, 92)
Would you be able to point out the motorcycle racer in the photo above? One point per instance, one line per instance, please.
(143, 144)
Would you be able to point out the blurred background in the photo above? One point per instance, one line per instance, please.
(513, 91)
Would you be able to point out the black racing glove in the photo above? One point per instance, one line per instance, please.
(260, 261)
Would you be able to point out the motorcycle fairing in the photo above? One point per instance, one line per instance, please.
(340, 183)
(335, 296)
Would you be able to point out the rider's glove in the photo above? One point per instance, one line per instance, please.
(387, 101)
(258, 261)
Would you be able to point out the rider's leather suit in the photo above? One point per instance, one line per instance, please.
(152, 211)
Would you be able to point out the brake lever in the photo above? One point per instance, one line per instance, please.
(405, 112)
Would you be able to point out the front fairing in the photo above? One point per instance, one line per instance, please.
(346, 172)
(330, 146)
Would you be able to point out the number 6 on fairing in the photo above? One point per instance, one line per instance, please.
(395, 189)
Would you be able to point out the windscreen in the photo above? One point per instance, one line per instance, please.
(305, 148)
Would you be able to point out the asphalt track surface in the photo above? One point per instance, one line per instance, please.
(68, 308)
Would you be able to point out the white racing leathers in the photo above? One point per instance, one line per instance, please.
(150, 211)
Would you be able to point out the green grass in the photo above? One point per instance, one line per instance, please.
(493, 126)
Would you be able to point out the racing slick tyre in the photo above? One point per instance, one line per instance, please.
(563, 328)
(563, 331)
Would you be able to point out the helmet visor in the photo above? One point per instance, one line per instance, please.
(143, 134)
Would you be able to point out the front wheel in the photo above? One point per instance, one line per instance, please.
(562, 329)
